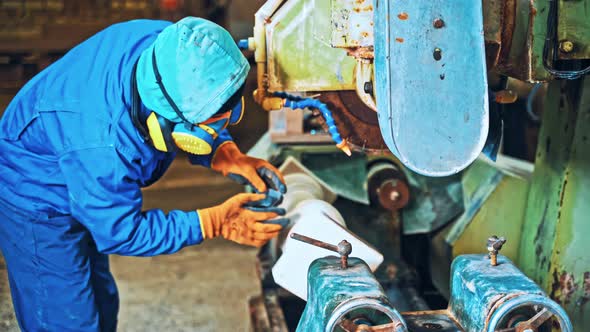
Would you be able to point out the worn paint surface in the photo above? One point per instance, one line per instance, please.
(299, 53)
(554, 249)
(574, 26)
(329, 287)
(431, 89)
(478, 289)
(352, 23)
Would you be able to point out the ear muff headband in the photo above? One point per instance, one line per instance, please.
(237, 113)
(165, 93)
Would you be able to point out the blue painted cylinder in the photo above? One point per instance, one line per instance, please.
(484, 297)
(334, 292)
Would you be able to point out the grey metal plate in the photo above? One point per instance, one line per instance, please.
(431, 85)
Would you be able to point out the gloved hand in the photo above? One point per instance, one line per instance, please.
(236, 223)
(260, 174)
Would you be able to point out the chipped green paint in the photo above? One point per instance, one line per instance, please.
(555, 246)
(300, 57)
(574, 26)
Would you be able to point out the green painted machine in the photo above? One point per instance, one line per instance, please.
(536, 57)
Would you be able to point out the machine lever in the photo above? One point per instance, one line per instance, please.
(344, 248)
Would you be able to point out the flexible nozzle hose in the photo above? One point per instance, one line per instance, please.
(295, 102)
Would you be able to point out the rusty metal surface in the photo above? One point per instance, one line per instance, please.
(554, 243)
(394, 194)
(356, 122)
(352, 23)
(387, 186)
(487, 298)
(344, 248)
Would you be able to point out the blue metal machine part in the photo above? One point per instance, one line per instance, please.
(490, 298)
(431, 83)
(336, 294)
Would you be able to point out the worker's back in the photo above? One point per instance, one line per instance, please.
(79, 102)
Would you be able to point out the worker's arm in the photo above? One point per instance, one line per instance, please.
(106, 198)
(205, 160)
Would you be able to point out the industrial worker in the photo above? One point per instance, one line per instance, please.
(81, 139)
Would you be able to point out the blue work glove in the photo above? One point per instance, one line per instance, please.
(258, 173)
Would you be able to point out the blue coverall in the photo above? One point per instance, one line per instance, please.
(71, 168)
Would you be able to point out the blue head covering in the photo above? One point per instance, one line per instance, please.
(201, 68)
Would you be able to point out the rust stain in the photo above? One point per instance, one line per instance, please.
(496, 303)
(563, 287)
(586, 287)
(399, 40)
(403, 16)
(364, 34)
(361, 52)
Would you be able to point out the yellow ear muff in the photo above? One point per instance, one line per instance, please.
(155, 132)
(191, 144)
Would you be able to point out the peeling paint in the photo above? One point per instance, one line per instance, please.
(403, 16)
(563, 287)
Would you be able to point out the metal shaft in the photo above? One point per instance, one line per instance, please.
(314, 242)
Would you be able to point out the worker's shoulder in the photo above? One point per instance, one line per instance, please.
(137, 26)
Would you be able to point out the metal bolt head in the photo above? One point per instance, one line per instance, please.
(437, 54)
(495, 243)
(566, 46)
(438, 23)
(344, 248)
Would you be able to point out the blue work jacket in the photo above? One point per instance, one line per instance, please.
(68, 147)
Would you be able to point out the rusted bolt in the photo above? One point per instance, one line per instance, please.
(344, 249)
(438, 23)
(494, 246)
(566, 46)
(437, 54)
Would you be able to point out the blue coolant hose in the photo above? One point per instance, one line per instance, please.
(296, 102)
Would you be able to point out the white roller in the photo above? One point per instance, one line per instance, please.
(315, 218)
